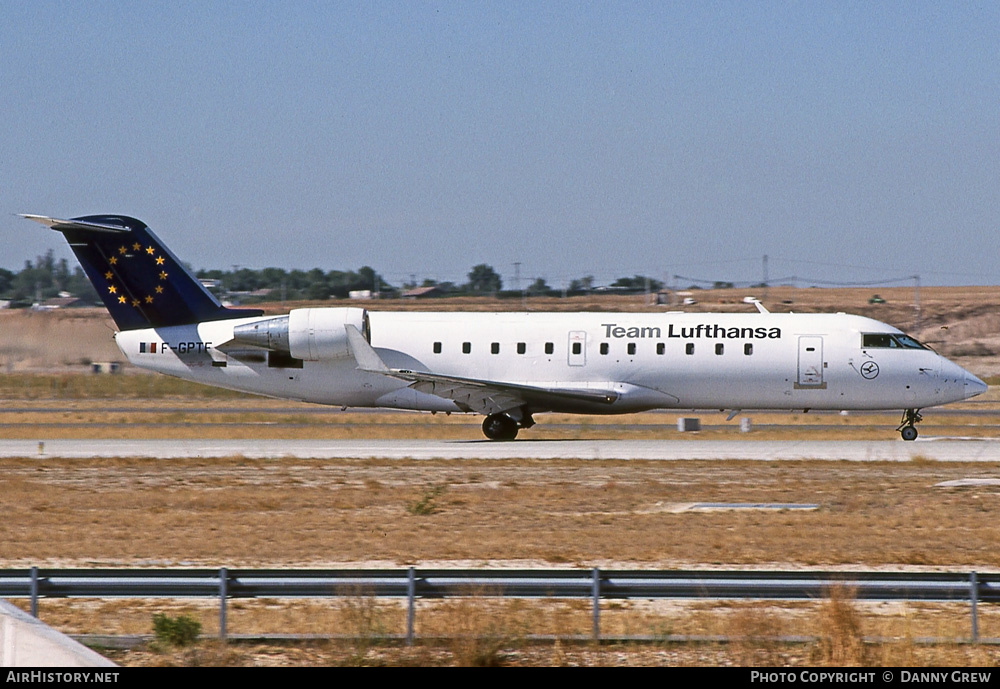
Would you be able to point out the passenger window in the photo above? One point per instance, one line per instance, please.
(660, 348)
(631, 347)
(521, 348)
(466, 347)
(549, 348)
(719, 348)
(604, 348)
(689, 349)
(577, 347)
(437, 347)
(748, 349)
(495, 348)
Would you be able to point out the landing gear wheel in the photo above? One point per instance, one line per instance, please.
(908, 426)
(500, 427)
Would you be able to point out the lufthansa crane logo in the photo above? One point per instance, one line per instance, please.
(869, 370)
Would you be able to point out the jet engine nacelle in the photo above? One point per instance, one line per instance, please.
(316, 334)
(308, 334)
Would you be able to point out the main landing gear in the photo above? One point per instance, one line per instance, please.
(908, 426)
(504, 426)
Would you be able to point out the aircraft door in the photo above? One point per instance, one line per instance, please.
(810, 362)
(577, 348)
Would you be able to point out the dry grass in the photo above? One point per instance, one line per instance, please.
(481, 631)
(366, 622)
(756, 637)
(238, 512)
(324, 653)
(842, 643)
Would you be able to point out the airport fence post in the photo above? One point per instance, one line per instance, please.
(34, 592)
(411, 590)
(974, 598)
(595, 587)
(223, 594)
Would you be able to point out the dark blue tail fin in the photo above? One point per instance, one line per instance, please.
(141, 282)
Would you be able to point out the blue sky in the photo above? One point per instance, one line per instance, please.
(847, 141)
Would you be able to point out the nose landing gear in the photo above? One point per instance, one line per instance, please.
(908, 426)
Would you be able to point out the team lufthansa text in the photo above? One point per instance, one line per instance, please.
(694, 332)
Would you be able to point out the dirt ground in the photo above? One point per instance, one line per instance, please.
(238, 512)
(241, 512)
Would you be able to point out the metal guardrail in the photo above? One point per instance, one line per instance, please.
(594, 584)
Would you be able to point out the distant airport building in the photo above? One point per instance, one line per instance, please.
(61, 303)
(423, 292)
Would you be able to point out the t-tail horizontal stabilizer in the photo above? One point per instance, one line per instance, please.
(139, 279)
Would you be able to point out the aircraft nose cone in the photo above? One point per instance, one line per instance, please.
(974, 386)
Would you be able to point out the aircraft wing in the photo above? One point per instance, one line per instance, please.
(491, 397)
(483, 396)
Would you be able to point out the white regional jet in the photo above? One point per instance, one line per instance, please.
(506, 366)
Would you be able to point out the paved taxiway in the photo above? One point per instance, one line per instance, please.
(935, 449)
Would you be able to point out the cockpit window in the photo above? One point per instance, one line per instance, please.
(889, 341)
(909, 343)
(878, 340)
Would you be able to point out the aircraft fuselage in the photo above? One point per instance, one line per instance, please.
(648, 360)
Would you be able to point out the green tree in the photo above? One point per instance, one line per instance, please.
(539, 287)
(79, 286)
(242, 280)
(6, 282)
(483, 279)
(638, 283)
(317, 285)
(34, 281)
(584, 284)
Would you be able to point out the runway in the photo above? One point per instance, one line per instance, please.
(932, 449)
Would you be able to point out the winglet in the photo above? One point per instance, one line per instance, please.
(367, 358)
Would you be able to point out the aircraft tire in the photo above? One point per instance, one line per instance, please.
(499, 427)
(908, 432)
